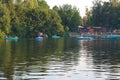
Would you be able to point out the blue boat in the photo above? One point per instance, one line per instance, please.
(39, 38)
(84, 38)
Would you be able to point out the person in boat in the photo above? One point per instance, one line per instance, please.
(91, 31)
(40, 34)
(45, 35)
(103, 33)
(7, 36)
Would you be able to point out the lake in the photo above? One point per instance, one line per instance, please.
(60, 59)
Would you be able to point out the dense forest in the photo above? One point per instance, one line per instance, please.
(25, 18)
(103, 14)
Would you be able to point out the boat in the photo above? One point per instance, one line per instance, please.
(39, 38)
(55, 36)
(109, 37)
(11, 38)
(113, 35)
(84, 38)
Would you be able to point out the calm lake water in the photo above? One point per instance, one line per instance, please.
(60, 59)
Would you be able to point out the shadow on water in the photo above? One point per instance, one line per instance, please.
(64, 58)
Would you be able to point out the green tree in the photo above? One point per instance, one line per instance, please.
(55, 26)
(25, 18)
(87, 19)
(30, 3)
(43, 4)
(2, 34)
(55, 8)
(18, 1)
(34, 20)
(105, 14)
(41, 19)
(115, 11)
(4, 19)
(96, 13)
(70, 17)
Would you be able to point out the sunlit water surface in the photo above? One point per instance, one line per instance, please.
(60, 59)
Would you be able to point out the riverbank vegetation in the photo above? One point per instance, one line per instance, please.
(104, 14)
(25, 18)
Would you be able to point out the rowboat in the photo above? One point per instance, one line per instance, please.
(39, 38)
(110, 37)
(11, 38)
(84, 38)
(55, 36)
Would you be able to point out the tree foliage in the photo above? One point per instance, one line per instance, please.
(4, 19)
(104, 14)
(25, 18)
(70, 16)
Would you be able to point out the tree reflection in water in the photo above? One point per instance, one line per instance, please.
(65, 59)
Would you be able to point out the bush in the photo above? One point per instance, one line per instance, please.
(2, 34)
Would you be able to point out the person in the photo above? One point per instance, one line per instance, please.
(40, 34)
(91, 30)
(8, 36)
(45, 35)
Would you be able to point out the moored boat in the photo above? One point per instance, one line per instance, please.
(84, 38)
(55, 36)
(11, 38)
(109, 37)
(39, 38)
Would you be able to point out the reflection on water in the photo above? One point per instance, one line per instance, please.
(60, 59)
